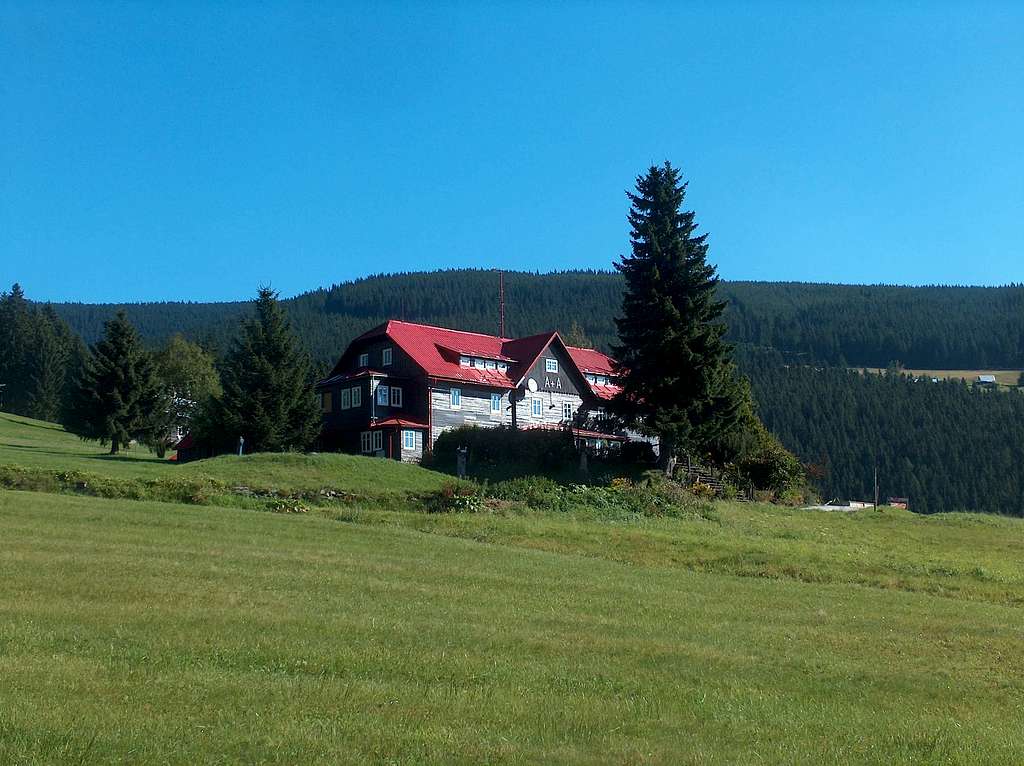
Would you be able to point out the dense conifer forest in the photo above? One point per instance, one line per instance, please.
(944, 445)
(862, 326)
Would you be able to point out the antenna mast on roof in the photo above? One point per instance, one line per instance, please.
(501, 304)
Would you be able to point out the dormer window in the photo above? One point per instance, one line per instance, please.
(464, 361)
(385, 357)
(364, 360)
(502, 366)
(550, 365)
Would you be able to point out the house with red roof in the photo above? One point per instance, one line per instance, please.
(400, 385)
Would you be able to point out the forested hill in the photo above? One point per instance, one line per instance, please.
(922, 327)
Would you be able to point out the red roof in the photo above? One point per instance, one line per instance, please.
(577, 432)
(437, 351)
(396, 421)
(592, 361)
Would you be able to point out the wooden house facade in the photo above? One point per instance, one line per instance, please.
(399, 386)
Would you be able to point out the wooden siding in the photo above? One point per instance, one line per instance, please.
(475, 409)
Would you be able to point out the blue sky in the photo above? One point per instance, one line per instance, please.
(193, 151)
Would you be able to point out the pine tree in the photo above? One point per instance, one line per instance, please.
(678, 379)
(15, 334)
(268, 395)
(577, 337)
(49, 361)
(117, 397)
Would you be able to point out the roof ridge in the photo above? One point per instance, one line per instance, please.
(447, 329)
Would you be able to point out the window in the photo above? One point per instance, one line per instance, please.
(566, 410)
(591, 379)
(601, 380)
(385, 357)
(502, 366)
(550, 365)
(537, 406)
(396, 396)
(325, 401)
(491, 364)
(382, 396)
(364, 360)
(465, 361)
(455, 397)
(357, 397)
(346, 398)
(408, 440)
(364, 442)
(495, 404)
(378, 440)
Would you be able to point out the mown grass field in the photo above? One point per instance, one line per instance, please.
(1006, 378)
(34, 443)
(143, 632)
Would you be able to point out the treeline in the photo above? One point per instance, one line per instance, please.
(40, 358)
(839, 325)
(947, 446)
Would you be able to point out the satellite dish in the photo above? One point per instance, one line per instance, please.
(532, 385)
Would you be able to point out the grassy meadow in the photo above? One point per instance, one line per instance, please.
(1004, 378)
(145, 632)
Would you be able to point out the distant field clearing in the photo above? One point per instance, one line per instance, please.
(1003, 377)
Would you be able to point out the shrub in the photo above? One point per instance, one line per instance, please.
(504, 452)
(454, 497)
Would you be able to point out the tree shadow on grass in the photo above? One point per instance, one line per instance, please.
(44, 426)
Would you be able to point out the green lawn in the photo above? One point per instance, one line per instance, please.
(139, 632)
(33, 443)
(143, 632)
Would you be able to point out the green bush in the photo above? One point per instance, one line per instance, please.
(504, 452)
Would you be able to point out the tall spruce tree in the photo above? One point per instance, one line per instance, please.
(15, 341)
(117, 397)
(678, 379)
(267, 379)
(50, 361)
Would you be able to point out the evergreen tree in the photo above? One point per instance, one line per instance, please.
(678, 379)
(577, 337)
(50, 360)
(118, 398)
(15, 340)
(268, 394)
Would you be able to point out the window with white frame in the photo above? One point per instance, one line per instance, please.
(378, 440)
(495, 404)
(591, 378)
(357, 397)
(364, 442)
(567, 412)
(396, 396)
(491, 364)
(455, 398)
(385, 357)
(408, 439)
(550, 365)
(364, 360)
(502, 366)
(537, 406)
(346, 398)
(382, 395)
(465, 361)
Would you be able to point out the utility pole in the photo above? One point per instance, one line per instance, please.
(876, 486)
(501, 303)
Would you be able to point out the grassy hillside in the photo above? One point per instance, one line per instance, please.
(146, 632)
(177, 634)
(33, 443)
